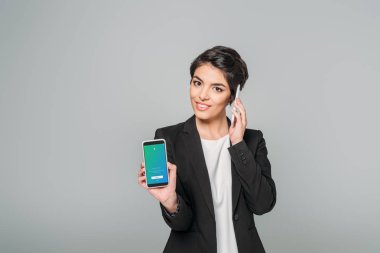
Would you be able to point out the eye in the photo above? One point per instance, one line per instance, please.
(196, 83)
(217, 89)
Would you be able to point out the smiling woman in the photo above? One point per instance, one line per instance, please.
(219, 173)
(228, 62)
(209, 92)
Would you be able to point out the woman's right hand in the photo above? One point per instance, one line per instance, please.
(166, 195)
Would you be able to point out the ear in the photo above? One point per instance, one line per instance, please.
(231, 99)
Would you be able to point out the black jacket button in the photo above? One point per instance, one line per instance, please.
(236, 217)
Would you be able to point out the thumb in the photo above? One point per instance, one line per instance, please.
(172, 171)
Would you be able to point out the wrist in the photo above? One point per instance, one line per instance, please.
(171, 203)
(236, 141)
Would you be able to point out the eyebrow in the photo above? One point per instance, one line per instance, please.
(215, 84)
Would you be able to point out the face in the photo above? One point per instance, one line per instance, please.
(209, 93)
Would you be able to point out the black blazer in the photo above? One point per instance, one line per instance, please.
(193, 228)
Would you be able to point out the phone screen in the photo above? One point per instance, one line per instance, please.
(155, 163)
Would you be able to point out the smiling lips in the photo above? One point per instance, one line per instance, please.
(202, 106)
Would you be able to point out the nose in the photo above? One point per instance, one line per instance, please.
(203, 95)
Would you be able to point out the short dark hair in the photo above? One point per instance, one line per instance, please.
(228, 61)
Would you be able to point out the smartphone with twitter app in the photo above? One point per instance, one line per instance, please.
(155, 158)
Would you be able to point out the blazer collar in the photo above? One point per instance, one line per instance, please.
(190, 126)
(199, 165)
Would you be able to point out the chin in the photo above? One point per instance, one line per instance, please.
(204, 116)
(201, 115)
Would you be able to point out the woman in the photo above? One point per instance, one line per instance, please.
(219, 174)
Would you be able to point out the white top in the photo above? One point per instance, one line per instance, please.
(218, 161)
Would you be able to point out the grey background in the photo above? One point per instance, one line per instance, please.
(83, 83)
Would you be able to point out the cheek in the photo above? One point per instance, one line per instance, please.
(221, 100)
(193, 92)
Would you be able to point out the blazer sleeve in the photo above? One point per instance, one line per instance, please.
(182, 219)
(254, 170)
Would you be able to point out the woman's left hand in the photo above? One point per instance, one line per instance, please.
(237, 127)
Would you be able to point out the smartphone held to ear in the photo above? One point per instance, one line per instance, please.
(233, 107)
(155, 158)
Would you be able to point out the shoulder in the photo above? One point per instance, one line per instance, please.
(254, 138)
(169, 131)
(250, 134)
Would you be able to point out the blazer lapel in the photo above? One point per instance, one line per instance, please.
(236, 185)
(198, 161)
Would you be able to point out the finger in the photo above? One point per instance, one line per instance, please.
(142, 167)
(142, 179)
(240, 103)
(234, 123)
(235, 108)
(245, 112)
(145, 186)
(238, 118)
(242, 112)
(141, 172)
(171, 166)
(142, 182)
(172, 172)
(240, 106)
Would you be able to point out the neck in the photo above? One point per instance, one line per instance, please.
(212, 128)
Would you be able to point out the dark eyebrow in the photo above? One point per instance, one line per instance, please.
(214, 84)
